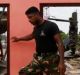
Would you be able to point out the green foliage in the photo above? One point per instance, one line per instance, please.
(63, 35)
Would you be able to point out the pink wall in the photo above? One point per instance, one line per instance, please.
(21, 52)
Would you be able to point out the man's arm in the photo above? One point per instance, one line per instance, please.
(24, 38)
(57, 37)
(59, 42)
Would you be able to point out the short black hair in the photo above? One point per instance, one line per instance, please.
(32, 10)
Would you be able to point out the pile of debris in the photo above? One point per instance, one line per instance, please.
(72, 66)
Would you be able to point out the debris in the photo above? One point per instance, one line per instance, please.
(68, 65)
(72, 66)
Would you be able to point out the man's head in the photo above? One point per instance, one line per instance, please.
(33, 15)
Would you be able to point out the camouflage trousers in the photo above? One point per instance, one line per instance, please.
(46, 64)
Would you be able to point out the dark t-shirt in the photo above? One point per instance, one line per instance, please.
(44, 34)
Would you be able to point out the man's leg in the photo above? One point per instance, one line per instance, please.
(55, 63)
(52, 67)
(32, 69)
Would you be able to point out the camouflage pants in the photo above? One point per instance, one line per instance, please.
(42, 65)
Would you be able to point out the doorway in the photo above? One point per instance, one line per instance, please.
(4, 38)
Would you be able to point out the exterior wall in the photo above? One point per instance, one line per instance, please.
(21, 52)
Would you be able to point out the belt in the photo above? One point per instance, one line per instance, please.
(46, 54)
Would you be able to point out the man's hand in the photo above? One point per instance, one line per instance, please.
(15, 39)
(24, 38)
(61, 69)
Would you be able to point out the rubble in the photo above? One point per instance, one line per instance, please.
(72, 66)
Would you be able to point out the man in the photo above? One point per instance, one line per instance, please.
(73, 36)
(48, 42)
